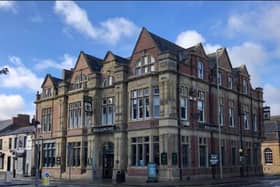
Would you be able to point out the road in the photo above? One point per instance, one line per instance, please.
(258, 182)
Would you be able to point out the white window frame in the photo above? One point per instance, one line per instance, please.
(229, 82)
(268, 156)
(245, 86)
(200, 69)
(246, 121)
(255, 122)
(201, 109)
(184, 104)
(219, 78)
(231, 117)
(221, 115)
(144, 65)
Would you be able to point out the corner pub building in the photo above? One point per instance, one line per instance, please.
(159, 105)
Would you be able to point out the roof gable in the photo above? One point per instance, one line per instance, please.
(224, 60)
(50, 81)
(110, 56)
(87, 64)
(144, 41)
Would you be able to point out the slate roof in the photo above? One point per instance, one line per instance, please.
(17, 130)
(212, 60)
(94, 62)
(5, 123)
(165, 45)
(55, 80)
(121, 60)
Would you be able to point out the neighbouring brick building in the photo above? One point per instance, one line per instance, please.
(271, 144)
(159, 105)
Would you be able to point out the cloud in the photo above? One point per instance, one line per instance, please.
(253, 56)
(67, 62)
(36, 19)
(271, 95)
(260, 24)
(110, 31)
(20, 76)
(10, 106)
(8, 6)
(190, 38)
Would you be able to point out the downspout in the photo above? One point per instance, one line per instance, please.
(178, 117)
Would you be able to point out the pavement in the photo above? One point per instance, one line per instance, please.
(233, 181)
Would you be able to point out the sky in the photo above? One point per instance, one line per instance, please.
(46, 36)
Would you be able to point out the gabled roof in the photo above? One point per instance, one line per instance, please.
(117, 58)
(54, 80)
(212, 57)
(5, 123)
(93, 62)
(163, 44)
(241, 68)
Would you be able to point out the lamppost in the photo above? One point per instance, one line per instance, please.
(37, 126)
(219, 126)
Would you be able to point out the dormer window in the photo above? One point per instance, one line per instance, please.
(230, 82)
(145, 64)
(47, 92)
(108, 81)
(80, 82)
(245, 87)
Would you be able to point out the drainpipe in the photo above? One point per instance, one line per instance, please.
(178, 118)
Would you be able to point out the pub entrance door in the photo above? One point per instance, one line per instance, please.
(108, 160)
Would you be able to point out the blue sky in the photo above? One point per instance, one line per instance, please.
(43, 37)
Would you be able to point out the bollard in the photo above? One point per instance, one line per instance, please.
(8, 177)
(45, 179)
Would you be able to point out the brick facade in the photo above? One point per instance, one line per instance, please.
(158, 101)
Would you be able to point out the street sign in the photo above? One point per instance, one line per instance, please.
(214, 159)
(58, 160)
(174, 158)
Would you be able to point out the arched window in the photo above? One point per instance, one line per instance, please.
(268, 159)
(145, 64)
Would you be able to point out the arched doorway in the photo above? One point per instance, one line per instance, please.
(108, 160)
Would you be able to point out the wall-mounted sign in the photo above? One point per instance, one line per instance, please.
(103, 129)
(163, 157)
(58, 160)
(174, 158)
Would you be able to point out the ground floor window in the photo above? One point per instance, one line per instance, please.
(233, 156)
(2, 162)
(85, 150)
(140, 150)
(156, 149)
(268, 158)
(185, 151)
(203, 158)
(49, 154)
(73, 153)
